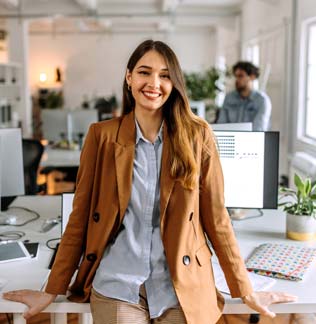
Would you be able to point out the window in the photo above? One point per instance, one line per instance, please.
(310, 84)
(252, 54)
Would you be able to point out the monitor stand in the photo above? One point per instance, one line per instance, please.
(243, 214)
(5, 202)
(6, 218)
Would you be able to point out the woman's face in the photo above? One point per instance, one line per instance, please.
(150, 82)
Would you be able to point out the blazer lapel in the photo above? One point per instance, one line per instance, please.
(166, 181)
(124, 158)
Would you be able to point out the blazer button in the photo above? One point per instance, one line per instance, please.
(186, 260)
(96, 217)
(91, 257)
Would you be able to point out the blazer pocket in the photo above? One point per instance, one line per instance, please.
(203, 254)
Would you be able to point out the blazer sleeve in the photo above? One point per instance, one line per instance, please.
(73, 241)
(216, 221)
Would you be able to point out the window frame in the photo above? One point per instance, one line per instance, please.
(303, 83)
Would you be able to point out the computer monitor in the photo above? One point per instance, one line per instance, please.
(55, 124)
(198, 107)
(232, 127)
(11, 165)
(250, 163)
(80, 120)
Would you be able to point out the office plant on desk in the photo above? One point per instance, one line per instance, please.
(300, 208)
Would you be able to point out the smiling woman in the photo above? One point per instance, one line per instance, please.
(149, 195)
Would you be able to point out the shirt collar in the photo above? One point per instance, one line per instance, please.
(251, 96)
(139, 134)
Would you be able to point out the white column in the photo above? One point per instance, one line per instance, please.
(58, 318)
(18, 319)
(18, 49)
(85, 318)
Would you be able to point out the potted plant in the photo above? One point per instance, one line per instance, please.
(300, 208)
(204, 86)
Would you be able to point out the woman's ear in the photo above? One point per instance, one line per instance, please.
(128, 77)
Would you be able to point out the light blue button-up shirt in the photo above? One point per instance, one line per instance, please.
(256, 109)
(137, 255)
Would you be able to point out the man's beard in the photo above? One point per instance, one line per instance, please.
(240, 88)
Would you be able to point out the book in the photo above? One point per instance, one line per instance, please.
(259, 283)
(281, 261)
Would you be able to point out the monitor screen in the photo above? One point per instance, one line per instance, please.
(55, 124)
(250, 163)
(81, 120)
(198, 108)
(11, 163)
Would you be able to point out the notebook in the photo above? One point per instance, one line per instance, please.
(258, 283)
(281, 261)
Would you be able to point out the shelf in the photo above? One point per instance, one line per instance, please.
(10, 92)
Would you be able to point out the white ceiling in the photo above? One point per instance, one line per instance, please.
(72, 16)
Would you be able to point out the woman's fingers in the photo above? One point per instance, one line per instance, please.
(35, 300)
(280, 297)
(260, 301)
(16, 295)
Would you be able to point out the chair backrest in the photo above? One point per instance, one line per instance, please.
(32, 153)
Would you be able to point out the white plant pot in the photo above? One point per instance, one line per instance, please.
(300, 227)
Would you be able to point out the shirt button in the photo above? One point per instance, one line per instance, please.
(96, 217)
(91, 257)
(186, 260)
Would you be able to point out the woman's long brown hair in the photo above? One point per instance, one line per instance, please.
(183, 126)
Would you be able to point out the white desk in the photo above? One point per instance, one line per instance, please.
(250, 233)
(31, 274)
(60, 158)
(271, 228)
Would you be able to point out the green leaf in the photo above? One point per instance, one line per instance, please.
(283, 204)
(283, 189)
(299, 183)
(307, 186)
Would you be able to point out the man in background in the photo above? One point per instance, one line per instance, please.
(246, 104)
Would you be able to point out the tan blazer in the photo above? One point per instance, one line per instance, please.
(103, 191)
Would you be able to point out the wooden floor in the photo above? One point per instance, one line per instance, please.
(228, 319)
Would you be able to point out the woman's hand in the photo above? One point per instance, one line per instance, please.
(35, 300)
(261, 300)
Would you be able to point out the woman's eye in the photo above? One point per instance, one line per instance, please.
(143, 72)
(165, 76)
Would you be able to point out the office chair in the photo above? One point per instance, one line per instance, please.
(32, 154)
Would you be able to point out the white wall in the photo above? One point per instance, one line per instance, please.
(95, 64)
(267, 23)
(259, 15)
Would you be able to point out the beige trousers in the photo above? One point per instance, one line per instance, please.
(107, 310)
